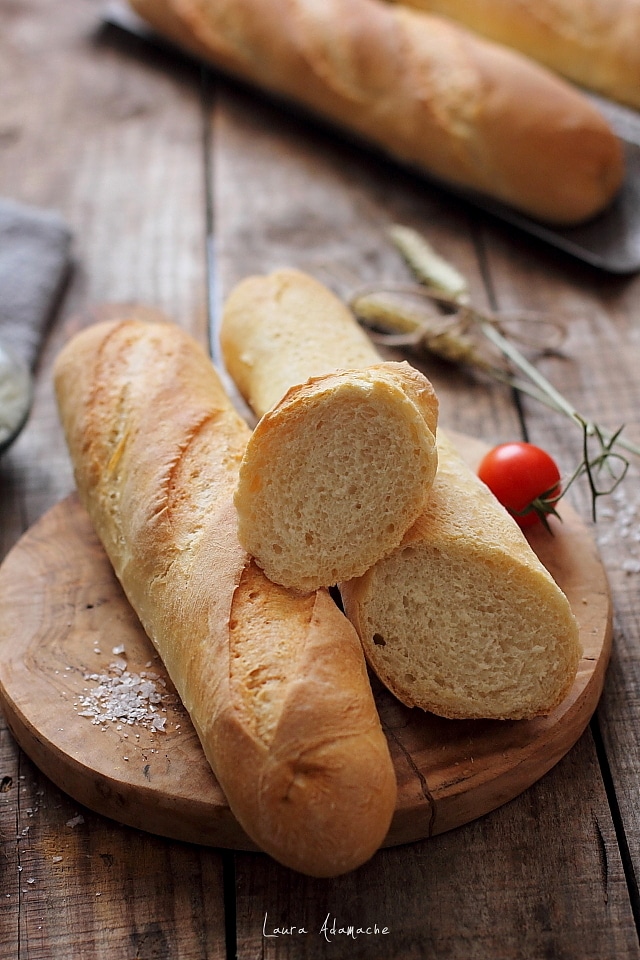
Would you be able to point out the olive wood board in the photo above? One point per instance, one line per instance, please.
(63, 614)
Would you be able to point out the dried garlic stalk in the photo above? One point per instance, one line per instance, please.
(428, 266)
(418, 326)
(447, 327)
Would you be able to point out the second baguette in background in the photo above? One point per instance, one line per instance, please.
(428, 92)
(595, 44)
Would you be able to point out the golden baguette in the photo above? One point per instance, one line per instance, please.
(275, 684)
(595, 43)
(337, 471)
(426, 91)
(461, 618)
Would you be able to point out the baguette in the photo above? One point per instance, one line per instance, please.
(426, 91)
(461, 619)
(595, 43)
(335, 472)
(275, 683)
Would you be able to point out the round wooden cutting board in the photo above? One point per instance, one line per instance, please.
(64, 623)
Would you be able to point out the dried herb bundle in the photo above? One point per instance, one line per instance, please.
(437, 316)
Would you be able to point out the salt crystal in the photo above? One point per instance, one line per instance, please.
(124, 698)
(75, 821)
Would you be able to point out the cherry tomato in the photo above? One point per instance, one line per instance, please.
(524, 478)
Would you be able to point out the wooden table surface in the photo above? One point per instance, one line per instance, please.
(174, 183)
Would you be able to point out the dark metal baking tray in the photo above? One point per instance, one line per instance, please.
(610, 241)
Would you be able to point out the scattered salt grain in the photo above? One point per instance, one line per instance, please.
(125, 698)
(621, 531)
(75, 821)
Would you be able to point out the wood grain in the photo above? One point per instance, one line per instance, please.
(499, 888)
(62, 612)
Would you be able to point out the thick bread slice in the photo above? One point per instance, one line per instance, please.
(462, 619)
(275, 683)
(424, 89)
(340, 467)
(595, 43)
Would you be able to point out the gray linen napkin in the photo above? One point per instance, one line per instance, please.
(34, 264)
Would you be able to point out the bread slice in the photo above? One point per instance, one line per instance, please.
(341, 465)
(462, 619)
(275, 683)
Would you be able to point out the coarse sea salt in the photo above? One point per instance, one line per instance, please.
(122, 697)
(620, 531)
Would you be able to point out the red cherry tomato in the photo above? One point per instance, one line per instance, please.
(524, 478)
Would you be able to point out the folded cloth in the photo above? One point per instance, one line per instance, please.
(35, 259)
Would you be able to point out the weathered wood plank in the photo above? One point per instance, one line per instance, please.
(598, 373)
(541, 877)
(75, 884)
(110, 134)
(111, 137)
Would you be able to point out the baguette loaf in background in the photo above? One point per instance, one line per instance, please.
(425, 90)
(341, 463)
(595, 43)
(275, 683)
(461, 619)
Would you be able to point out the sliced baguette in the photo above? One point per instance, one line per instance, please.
(341, 465)
(275, 683)
(461, 618)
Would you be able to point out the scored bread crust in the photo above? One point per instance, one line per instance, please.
(275, 683)
(463, 620)
(595, 43)
(423, 89)
(340, 467)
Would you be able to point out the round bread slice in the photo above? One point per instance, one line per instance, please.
(336, 473)
(462, 619)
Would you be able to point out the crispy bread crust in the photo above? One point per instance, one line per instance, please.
(275, 683)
